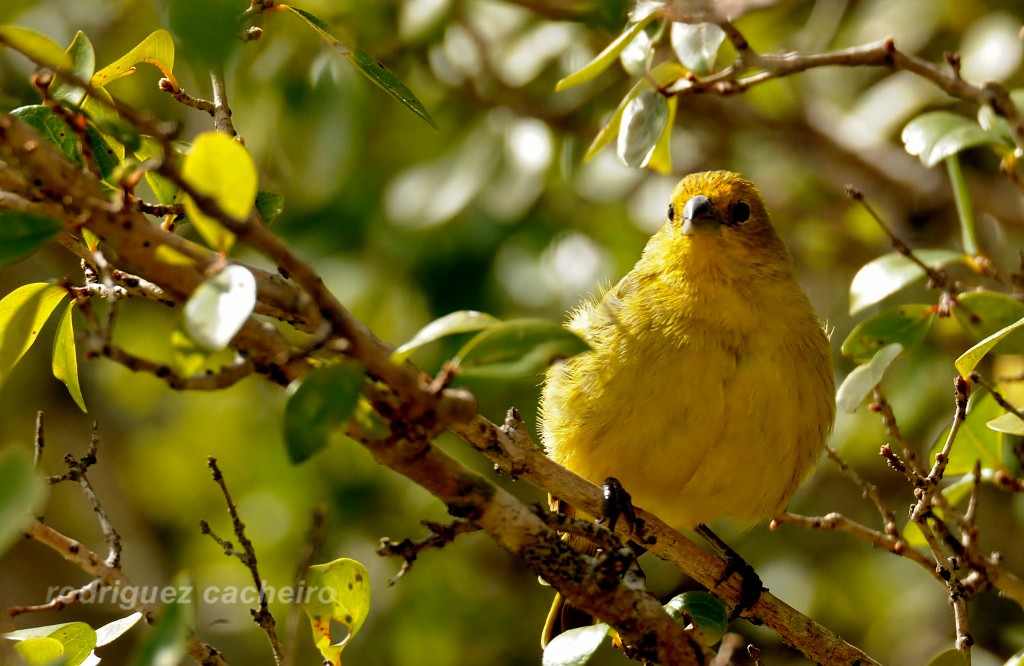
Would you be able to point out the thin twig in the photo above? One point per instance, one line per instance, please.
(247, 556)
(440, 536)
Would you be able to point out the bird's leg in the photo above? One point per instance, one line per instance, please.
(750, 583)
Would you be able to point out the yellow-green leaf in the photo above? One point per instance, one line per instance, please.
(1009, 423)
(706, 614)
(339, 591)
(605, 57)
(969, 359)
(83, 59)
(661, 157)
(22, 233)
(65, 358)
(864, 378)
(904, 324)
(156, 49)
(40, 651)
(982, 313)
(975, 441)
(220, 167)
(22, 314)
(38, 47)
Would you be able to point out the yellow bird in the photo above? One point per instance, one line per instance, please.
(709, 392)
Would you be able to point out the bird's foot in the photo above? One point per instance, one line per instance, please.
(618, 504)
(751, 586)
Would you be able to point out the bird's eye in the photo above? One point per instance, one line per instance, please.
(740, 212)
(671, 212)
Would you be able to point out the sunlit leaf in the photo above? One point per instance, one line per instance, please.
(322, 402)
(111, 631)
(269, 205)
(22, 492)
(22, 314)
(904, 324)
(38, 47)
(969, 359)
(167, 643)
(982, 313)
(365, 63)
(696, 45)
(635, 57)
(121, 131)
(157, 49)
(643, 122)
(78, 640)
(574, 647)
(936, 135)
(219, 307)
(21, 234)
(663, 74)
(342, 595)
(40, 651)
(219, 167)
(1009, 423)
(83, 64)
(189, 357)
(463, 321)
(605, 57)
(891, 272)
(65, 357)
(975, 440)
(864, 378)
(707, 613)
(518, 348)
(661, 157)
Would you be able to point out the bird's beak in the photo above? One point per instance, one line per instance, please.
(700, 215)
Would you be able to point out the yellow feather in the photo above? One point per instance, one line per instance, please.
(709, 392)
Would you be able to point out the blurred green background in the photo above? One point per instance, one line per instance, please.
(497, 212)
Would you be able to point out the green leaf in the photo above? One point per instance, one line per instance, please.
(189, 357)
(643, 122)
(121, 131)
(269, 205)
(462, 321)
(219, 307)
(696, 45)
(366, 64)
(219, 167)
(936, 135)
(905, 324)
(22, 492)
(21, 234)
(993, 123)
(975, 440)
(574, 647)
(83, 64)
(1017, 659)
(891, 272)
(982, 313)
(951, 657)
(606, 57)
(65, 359)
(22, 314)
(157, 49)
(1009, 423)
(322, 402)
(864, 378)
(38, 47)
(165, 190)
(969, 359)
(517, 348)
(707, 613)
(52, 128)
(167, 643)
(342, 595)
